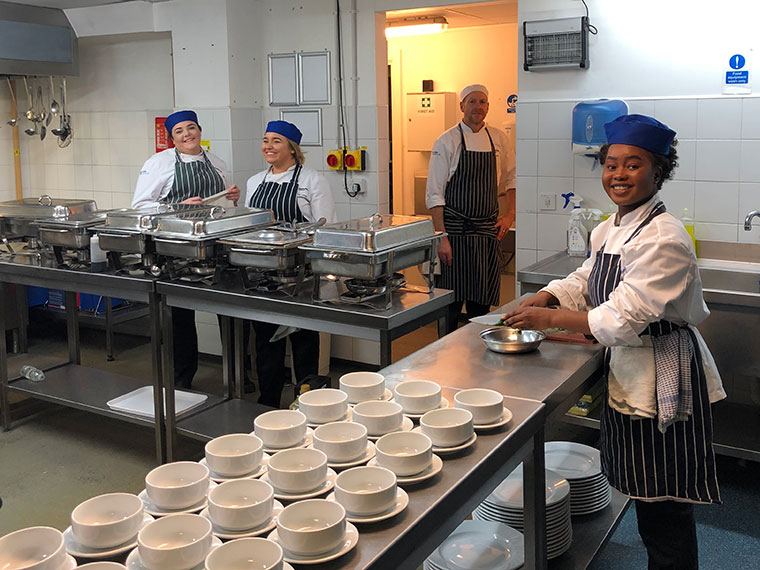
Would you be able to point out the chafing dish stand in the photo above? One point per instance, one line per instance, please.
(71, 384)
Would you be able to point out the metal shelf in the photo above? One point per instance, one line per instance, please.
(735, 429)
(591, 533)
(220, 418)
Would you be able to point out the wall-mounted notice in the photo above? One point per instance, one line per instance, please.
(736, 77)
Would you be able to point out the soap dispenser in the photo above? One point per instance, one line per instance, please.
(688, 223)
(577, 235)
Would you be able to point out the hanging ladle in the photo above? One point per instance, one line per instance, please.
(54, 107)
(14, 120)
(31, 116)
(30, 111)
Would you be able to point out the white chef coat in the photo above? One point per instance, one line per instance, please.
(157, 176)
(660, 280)
(445, 158)
(314, 196)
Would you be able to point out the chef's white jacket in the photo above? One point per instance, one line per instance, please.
(660, 280)
(444, 159)
(157, 176)
(314, 196)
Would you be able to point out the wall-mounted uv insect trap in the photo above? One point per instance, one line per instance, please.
(562, 42)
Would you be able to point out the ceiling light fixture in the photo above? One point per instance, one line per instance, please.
(416, 26)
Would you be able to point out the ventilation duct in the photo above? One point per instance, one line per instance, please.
(36, 41)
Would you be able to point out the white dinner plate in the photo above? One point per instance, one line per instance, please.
(509, 493)
(321, 490)
(453, 449)
(229, 534)
(443, 405)
(350, 540)
(134, 562)
(506, 417)
(402, 500)
(368, 454)
(258, 472)
(157, 511)
(572, 460)
(69, 564)
(81, 551)
(481, 545)
(433, 469)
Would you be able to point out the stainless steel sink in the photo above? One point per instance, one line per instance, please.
(730, 282)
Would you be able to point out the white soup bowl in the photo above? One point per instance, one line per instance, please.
(323, 405)
(417, 396)
(311, 527)
(405, 453)
(107, 520)
(448, 427)
(363, 386)
(297, 470)
(234, 454)
(341, 441)
(177, 485)
(280, 429)
(486, 406)
(246, 554)
(379, 417)
(241, 504)
(34, 548)
(176, 542)
(366, 490)
(103, 565)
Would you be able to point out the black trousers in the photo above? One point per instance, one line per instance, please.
(472, 309)
(185, 347)
(669, 532)
(270, 360)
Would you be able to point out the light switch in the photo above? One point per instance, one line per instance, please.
(547, 202)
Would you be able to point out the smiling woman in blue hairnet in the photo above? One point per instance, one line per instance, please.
(296, 193)
(640, 295)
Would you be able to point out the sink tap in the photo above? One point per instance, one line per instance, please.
(748, 219)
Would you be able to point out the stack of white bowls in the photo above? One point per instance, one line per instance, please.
(35, 548)
(479, 545)
(505, 505)
(581, 466)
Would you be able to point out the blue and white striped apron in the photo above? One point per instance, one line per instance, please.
(637, 458)
(469, 218)
(195, 178)
(280, 198)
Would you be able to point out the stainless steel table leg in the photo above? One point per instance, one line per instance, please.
(534, 499)
(23, 319)
(72, 327)
(5, 407)
(158, 401)
(239, 353)
(385, 348)
(109, 329)
(168, 367)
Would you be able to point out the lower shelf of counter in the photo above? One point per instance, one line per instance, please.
(229, 416)
(591, 533)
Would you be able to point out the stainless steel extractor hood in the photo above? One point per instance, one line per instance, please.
(36, 41)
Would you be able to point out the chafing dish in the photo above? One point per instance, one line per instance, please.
(72, 231)
(370, 251)
(18, 217)
(270, 249)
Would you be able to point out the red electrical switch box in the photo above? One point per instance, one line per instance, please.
(355, 159)
(335, 159)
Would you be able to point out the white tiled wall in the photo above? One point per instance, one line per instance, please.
(717, 180)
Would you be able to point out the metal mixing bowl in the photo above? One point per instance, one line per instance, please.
(507, 339)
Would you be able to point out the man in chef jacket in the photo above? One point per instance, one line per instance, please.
(470, 166)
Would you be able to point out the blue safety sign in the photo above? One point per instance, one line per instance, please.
(736, 61)
(512, 103)
(737, 77)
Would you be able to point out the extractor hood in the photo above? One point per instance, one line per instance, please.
(36, 41)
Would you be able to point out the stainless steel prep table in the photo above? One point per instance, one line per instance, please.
(71, 384)
(409, 311)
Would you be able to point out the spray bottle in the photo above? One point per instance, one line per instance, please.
(577, 234)
(688, 223)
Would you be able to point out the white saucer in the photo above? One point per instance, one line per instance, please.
(453, 449)
(258, 472)
(402, 500)
(406, 425)
(321, 490)
(228, 534)
(433, 469)
(387, 397)
(305, 442)
(368, 454)
(81, 551)
(506, 416)
(444, 404)
(69, 564)
(134, 562)
(350, 540)
(346, 418)
(156, 511)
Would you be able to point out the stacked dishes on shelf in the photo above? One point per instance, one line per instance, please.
(505, 505)
(581, 466)
(479, 545)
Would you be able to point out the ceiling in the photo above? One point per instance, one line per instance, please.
(465, 15)
(66, 4)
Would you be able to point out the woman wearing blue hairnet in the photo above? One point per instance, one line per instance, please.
(640, 295)
(296, 193)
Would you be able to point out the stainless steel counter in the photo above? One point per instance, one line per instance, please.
(538, 275)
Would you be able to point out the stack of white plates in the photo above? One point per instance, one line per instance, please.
(479, 545)
(580, 465)
(505, 505)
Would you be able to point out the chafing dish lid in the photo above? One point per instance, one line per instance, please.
(145, 219)
(83, 220)
(267, 237)
(375, 233)
(45, 207)
(208, 222)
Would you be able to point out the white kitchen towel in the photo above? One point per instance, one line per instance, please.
(631, 380)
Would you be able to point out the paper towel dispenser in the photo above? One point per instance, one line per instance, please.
(36, 41)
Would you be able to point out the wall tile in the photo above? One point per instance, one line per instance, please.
(121, 199)
(51, 176)
(99, 125)
(120, 179)
(687, 160)
(555, 158)
(586, 167)
(82, 151)
(222, 124)
(367, 119)
(101, 153)
(752, 236)
(101, 178)
(716, 202)
(719, 118)
(593, 195)
(641, 107)
(718, 160)
(527, 120)
(552, 231)
(677, 195)
(81, 123)
(83, 177)
(751, 118)
(749, 199)
(552, 185)
(555, 120)
(680, 115)
(525, 197)
(749, 170)
(716, 232)
(527, 158)
(66, 178)
(119, 152)
(526, 226)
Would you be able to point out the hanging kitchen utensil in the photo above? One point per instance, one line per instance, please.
(30, 110)
(54, 107)
(14, 120)
(41, 103)
(31, 116)
(68, 132)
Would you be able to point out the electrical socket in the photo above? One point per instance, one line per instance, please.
(358, 186)
(547, 202)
